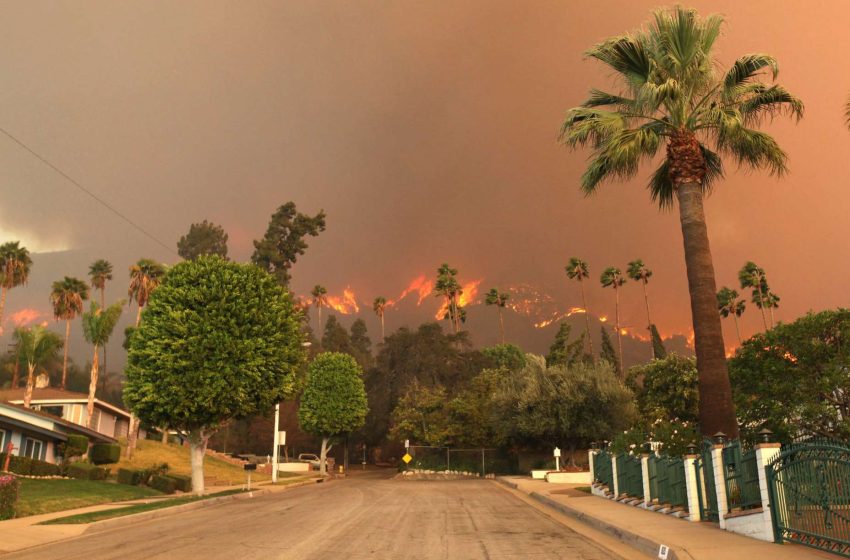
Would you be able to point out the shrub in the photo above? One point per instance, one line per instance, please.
(183, 482)
(17, 465)
(105, 453)
(8, 496)
(153, 470)
(87, 471)
(132, 477)
(43, 468)
(164, 484)
(76, 446)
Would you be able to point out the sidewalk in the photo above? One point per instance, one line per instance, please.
(25, 532)
(645, 531)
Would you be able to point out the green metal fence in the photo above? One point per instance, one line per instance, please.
(809, 493)
(629, 475)
(741, 475)
(602, 469)
(706, 491)
(669, 481)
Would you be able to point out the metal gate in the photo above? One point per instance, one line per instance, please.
(706, 493)
(809, 485)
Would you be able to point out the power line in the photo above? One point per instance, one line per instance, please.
(74, 182)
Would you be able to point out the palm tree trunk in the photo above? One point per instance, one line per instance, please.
(16, 376)
(762, 302)
(139, 316)
(737, 331)
(30, 384)
(92, 388)
(648, 321)
(716, 408)
(382, 326)
(103, 297)
(105, 368)
(586, 320)
(65, 356)
(619, 332)
(771, 316)
(502, 325)
(320, 319)
(133, 432)
(2, 305)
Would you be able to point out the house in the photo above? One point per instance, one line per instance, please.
(109, 420)
(35, 434)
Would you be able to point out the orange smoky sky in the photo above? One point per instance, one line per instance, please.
(427, 131)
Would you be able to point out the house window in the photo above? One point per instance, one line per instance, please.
(32, 448)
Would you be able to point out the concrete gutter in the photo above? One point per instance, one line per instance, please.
(639, 543)
(132, 519)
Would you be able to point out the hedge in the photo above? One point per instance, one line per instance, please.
(87, 471)
(132, 477)
(183, 482)
(105, 453)
(8, 496)
(164, 484)
(27, 466)
(76, 446)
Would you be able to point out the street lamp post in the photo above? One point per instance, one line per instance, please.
(276, 452)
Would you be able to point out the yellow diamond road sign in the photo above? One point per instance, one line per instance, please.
(407, 458)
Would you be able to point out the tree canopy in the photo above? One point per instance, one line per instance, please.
(284, 240)
(205, 238)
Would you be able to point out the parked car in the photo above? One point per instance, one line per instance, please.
(314, 460)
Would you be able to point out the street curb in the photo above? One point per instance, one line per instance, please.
(132, 519)
(638, 542)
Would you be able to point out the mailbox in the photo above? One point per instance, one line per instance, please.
(250, 466)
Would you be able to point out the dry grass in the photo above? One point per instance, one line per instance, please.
(150, 452)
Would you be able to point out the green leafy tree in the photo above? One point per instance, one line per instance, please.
(98, 325)
(507, 356)
(577, 270)
(563, 352)
(220, 340)
(729, 304)
(35, 346)
(793, 379)
(638, 272)
(421, 416)
(334, 400)
(500, 300)
(448, 288)
(672, 98)
(612, 277)
(667, 389)
(15, 264)
(205, 238)
(67, 298)
(361, 344)
(284, 241)
(658, 350)
(320, 300)
(145, 277)
(608, 353)
(335, 338)
(379, 306)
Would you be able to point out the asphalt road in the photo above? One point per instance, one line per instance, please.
(367, 516)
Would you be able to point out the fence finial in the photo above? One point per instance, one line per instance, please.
(719, 437)
(765, 435)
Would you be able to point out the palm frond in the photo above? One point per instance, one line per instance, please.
(593, 126)
(627, 55)
(599, 98)
(770, 101)
(753, 148)
(744, 69)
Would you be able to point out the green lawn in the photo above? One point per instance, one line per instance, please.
(128, 510)
(44, 496)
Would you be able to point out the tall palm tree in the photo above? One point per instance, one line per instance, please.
(729, 304)
(672, 98)
(67, 298)
(15, 264)
(638, 272)
(36, 346)
(751, 276)
(145, 277)
(98, 324)
(500, 300)
(577, 270)
(99, 272)
(612, 277)
(379, 306)
(449, 289)
(320, 300)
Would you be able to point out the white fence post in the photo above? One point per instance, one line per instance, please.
(591, 456)
(691, 486)
(765, 453)
(719, 483)
(644, 471)
(615, 477)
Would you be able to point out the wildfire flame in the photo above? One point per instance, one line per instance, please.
(419, 285)
(345, 304)
(24, 317)
(559, 316)
(467, 297)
